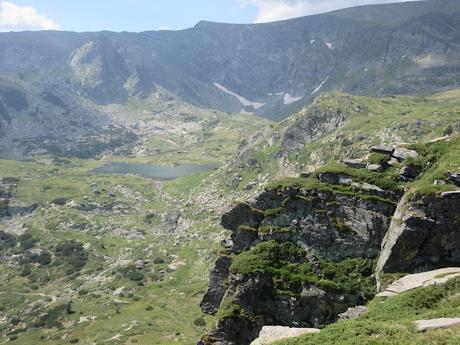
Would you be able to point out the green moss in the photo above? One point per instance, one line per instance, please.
(273, 212)
(288, 266)
(271, 229)
(387, 180)
(313, 184)
(246, 228)
(231, 309)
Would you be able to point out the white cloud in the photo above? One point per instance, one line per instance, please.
(273, 10)
(18, 18)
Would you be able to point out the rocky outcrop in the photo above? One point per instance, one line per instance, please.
(216, 290)
(316, 225)
(424, 234)
(289, 244)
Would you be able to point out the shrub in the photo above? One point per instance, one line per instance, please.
(7, 240)
(44, 259)
(72, 253)
(132, 273)
(199, 322)
(158, 260)
(27, 241)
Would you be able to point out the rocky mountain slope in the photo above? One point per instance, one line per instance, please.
(307, 248)
(268, 69)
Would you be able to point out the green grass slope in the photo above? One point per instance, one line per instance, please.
(391, 322)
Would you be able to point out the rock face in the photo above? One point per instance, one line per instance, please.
(424, 234)
(326, 225)
(211, 301)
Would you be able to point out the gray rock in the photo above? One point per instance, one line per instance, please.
(333, 178)
(353, 313)
(355, 163)
(422, 235)
(375, 167)
(383, 149)
(271, 334)
(418, 280)
(401, 153)
(453, 178)
(409, 173)
(426, 325)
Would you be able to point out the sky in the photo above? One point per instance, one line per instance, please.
(145, 15)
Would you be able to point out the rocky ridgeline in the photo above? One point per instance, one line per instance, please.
(304, 252)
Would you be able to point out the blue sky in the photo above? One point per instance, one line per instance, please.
(142, 15)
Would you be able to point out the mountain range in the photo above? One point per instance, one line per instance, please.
(69, 79)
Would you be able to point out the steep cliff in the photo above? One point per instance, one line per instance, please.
(306, 249)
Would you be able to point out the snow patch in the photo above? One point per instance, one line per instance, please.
(243, 101)
(312, 41)
(320, 86)
(329, 45)
(288, 99)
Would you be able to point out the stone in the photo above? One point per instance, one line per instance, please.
(451, 194)
(355, 163)
(353, 313)
(409, 172)
(383, 149)
(423, 233)
(453, 178)
(401, 153)
(271, 334)
(375, 167)
(426, 325)
(243, 214)
(392, 162)
(305, 174)
(439, 182)
(418, 280)
(333, 178)
(251, 185)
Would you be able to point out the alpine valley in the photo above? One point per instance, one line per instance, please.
(234, 184)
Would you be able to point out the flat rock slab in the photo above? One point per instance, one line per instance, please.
(426, 325)
(270, 334)
(414, 281)
(353, 313)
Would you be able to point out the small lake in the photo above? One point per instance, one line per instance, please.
(156, 172)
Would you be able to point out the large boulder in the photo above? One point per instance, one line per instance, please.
(424, 234)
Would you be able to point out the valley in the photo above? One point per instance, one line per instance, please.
(197, 185)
